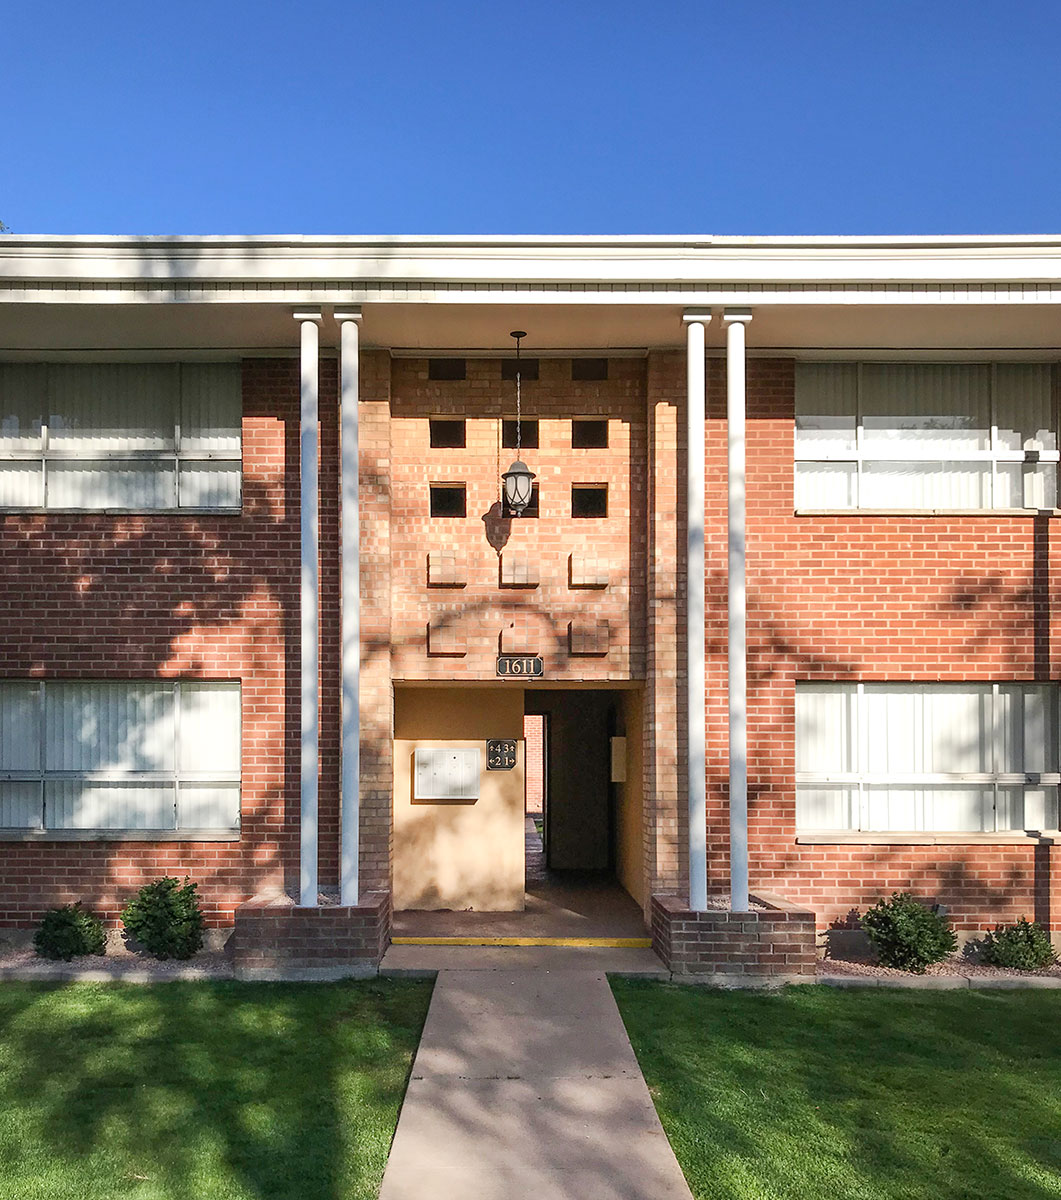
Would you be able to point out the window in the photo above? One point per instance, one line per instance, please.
(589, 368)
(973, 758)
(448, 500)
(528, 368)
(589, 435)
(151, 755)
(528, 435)
(925, 436)
(447, 434)
(589, 500)
(446, 368)
(131, 436)
(531, 510)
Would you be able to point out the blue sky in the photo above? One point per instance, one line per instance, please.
(581, 117)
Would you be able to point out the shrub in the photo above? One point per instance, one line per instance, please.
(1024, 946)
(69, 931)
(907, 934)
(165, 918)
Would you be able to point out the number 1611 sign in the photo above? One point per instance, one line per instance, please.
(525, 666)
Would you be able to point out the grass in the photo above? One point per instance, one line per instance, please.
(815, 1093)
(180, 1091)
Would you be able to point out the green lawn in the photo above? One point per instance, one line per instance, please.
(202, 1091)
(864, 1095)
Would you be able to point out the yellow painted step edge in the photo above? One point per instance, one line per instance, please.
(628, 943)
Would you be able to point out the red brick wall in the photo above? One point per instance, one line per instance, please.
(888, 598)
(476, 619)
(206, 597)
(534, 761)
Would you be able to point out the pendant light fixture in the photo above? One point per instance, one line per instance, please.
(518, 478)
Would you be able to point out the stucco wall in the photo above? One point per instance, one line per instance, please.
(459, 854)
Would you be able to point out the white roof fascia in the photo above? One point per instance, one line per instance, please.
(764, 270)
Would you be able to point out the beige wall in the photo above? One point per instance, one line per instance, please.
(463, 854)
(629, 817)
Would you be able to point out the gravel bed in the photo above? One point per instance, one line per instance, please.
(119, 962)
(951, 967)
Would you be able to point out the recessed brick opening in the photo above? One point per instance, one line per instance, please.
(446, 368)
(528, 435)
(589, 368)
(449, 500)
(589, 435)
(448, 434)
(589, 500)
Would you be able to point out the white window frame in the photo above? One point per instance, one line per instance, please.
(176, 777)
(899, 453)
(46, 454)
(862, 781)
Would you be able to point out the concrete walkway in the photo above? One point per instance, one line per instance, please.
(525, 1084)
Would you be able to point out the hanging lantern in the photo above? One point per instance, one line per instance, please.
(518, 479)
(518, 487)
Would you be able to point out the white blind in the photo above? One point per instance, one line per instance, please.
(909, 757)
(925, 436)
(139, 436)
(120, 755)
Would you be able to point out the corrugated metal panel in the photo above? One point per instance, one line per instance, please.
(943, 405)
(825, 727)
(112, 406)
(210, 484)
(20, 725)
(826, 402)
(210, 727)
(1024, 406)
(826, 485)
(96, 485)
(84, 804)
(21, 485)
(21, 805)
(208, 806)
(926, 485)
(109, 726)
(211, 406)
(21, 405)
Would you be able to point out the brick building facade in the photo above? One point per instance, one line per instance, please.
(912, 606)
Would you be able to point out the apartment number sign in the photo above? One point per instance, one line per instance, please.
(525, 666)
(500, 754)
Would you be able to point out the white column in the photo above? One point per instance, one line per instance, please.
(309, 604)
(694, 606)
(736, 320)
(351, 606)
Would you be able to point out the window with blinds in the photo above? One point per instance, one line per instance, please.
(926, 436)
(128, 436)
(971, 758)
(154, 755)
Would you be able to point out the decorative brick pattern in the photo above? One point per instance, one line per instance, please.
(273, 937)
(520, 618)
(519, 569)
(445, 637)
(588, 637)
(775, 945)
(586, 569)
(445, 568)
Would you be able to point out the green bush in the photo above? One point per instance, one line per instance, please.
(69, 931)
(907, 934)
(165, 918)
(1024, 946)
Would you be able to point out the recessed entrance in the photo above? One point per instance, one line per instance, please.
(546, 851)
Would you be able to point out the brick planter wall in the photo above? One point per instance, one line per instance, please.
(734, 949)
(276, 938)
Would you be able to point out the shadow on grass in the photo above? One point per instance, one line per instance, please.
(219, 1090)
(812, 1092)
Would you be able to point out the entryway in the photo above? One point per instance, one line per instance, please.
(569, 807)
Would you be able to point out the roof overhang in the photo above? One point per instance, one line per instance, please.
(809, 294)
